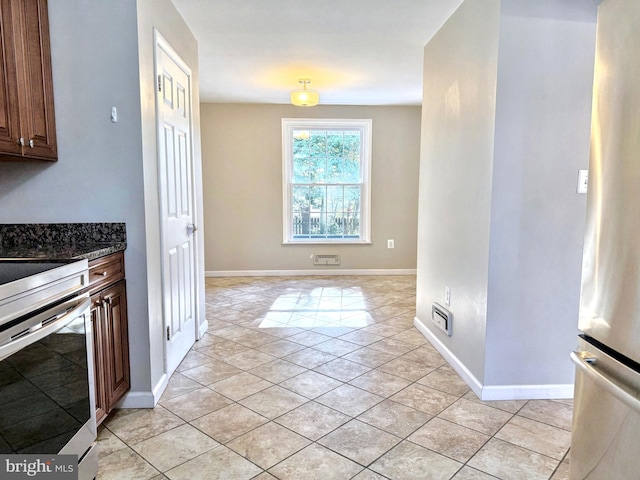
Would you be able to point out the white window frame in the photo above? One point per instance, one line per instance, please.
(365, 127)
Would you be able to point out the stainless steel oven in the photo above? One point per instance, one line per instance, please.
(47, 395)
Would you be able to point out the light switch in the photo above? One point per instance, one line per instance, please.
(114, 114)
(583, 181)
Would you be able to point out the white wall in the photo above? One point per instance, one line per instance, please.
(512, 223)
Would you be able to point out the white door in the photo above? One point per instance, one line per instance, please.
(175, 172)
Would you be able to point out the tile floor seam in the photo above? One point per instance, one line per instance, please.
(545, 423)
(527, 449)
(516, 446)
(182, 463)
(444, 454)
(127, 447)
(370, 463)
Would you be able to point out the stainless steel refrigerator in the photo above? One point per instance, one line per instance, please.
(606, 419)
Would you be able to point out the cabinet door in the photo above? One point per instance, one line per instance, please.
(116, 342)
(37, 118)
(97, 317)
(9, 120)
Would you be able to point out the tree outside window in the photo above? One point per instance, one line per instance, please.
(326, 180)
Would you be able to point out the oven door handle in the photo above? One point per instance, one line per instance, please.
(74, 308)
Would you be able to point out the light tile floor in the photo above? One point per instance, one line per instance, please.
(327, 378)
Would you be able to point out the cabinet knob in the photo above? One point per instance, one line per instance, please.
(21, 141)
(31, 143)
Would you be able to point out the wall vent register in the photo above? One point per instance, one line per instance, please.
(326, 259)
(442, 317)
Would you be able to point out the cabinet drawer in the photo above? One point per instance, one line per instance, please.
(105, 271)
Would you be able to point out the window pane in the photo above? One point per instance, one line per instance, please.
(316, 223)
(309, 161)
(352, 144)
(301, 169)
(335, 224)
(335, 199)
(317, 198)
(300, 199)
(318, 169)
(352, 157)
(352, 224)
(300, 225)
(334, 144)
(301, 161)
(300, 145)
(318, 142)
(352, 199)
(334, 170)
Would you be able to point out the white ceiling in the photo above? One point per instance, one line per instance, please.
(356, 52)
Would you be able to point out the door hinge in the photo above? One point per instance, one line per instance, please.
(159, 83)
(168, 334)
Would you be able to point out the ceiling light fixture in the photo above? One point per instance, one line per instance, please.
(304, 97)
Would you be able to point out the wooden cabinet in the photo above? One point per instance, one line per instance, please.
(27, 118)
(110, 331)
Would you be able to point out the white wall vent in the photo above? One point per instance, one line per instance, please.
(442, 317)
(326, 259)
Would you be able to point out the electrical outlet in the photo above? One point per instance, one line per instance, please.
(390, 244)
(447, 295)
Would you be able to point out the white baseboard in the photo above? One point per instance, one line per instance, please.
(527, 392)
(145, 399)
(297, 273)
(494, 392)
(455, 363)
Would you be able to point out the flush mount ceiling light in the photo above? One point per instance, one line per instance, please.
(304, 97)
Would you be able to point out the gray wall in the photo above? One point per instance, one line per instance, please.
(543, 119)
(163, 16)
(242, 177)
(100, 175)
(508, 155)
(460, 70)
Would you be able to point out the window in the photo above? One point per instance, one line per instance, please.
(326, 180)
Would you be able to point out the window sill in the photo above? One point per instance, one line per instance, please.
(319, 241)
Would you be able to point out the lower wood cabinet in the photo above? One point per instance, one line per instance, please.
(110, 337)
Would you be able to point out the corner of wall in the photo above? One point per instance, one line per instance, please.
(458, 119)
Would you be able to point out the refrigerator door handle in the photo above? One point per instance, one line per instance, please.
(587, 365)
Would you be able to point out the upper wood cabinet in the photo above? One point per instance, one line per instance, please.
(27, 118)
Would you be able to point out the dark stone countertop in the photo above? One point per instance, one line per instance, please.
(61, 241)
(57, 252)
